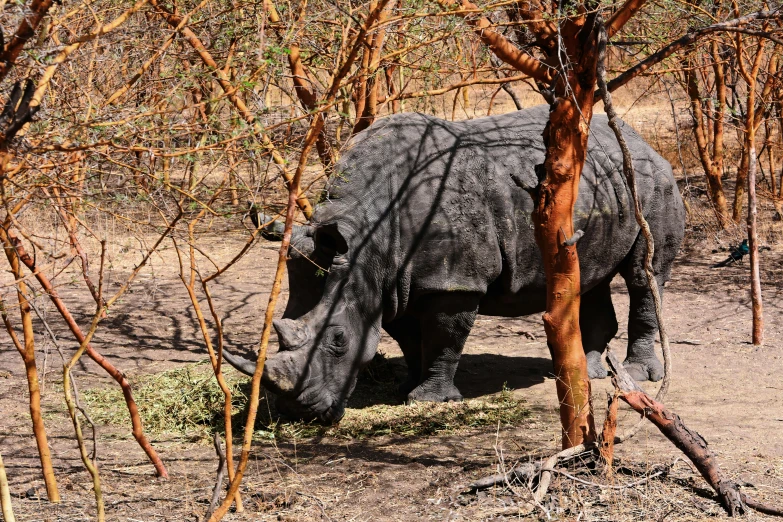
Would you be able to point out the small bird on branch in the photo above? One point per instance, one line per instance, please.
(736, 253)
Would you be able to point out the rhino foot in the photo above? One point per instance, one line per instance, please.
(446, 393)
(649, 369)
(595, 368)
(408, 386)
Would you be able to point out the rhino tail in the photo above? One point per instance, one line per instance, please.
(271, 229)
(245, 366)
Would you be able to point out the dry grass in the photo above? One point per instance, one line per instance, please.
(187, 402)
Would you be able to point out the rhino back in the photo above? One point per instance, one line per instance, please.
(432, 206)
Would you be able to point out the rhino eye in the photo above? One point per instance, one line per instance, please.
(336, 341)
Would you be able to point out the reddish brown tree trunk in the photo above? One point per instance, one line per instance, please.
(565, 138)
(712, 164)
(569, 74)
(28, 356)
(553, 219)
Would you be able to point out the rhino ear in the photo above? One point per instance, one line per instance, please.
(301, 248)
(329, 238)
(292, 333)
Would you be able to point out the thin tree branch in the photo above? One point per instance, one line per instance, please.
(684, 41)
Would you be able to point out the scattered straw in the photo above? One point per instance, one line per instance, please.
(187, 402)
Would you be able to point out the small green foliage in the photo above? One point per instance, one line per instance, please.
(184, 401)
(320, 196)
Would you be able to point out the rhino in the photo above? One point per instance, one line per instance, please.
(426, 223)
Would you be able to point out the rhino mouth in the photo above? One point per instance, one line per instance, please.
(311, 406)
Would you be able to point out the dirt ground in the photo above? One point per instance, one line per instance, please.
(722, 386)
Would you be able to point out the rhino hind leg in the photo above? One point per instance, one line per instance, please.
(641, 361)
(407, 333)
(445, 321)
(598, 324)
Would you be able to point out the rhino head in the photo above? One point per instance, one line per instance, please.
(326, 335)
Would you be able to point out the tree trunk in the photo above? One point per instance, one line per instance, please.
(712, 165)
(28, 356)
(742, 181)
(753, 243)
(779, 110)
(770, 146)
(719, 198)
(392, 87)
(565, 139)
(747, 174)
(5, 496)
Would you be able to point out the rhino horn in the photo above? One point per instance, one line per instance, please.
(283, 372)
(271, 229)
(292, 333)
(281, 375)
(245, 366)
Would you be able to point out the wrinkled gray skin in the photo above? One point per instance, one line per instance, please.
(427, 223)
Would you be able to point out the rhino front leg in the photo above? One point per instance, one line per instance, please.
(407, 333)
(445, 321)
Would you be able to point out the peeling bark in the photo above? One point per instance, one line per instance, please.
(565, 139)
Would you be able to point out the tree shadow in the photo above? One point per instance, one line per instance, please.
(488, 373)
(478, 375)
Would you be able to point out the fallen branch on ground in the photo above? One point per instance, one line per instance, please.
(688, 441)
(527, 471)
